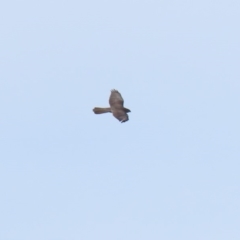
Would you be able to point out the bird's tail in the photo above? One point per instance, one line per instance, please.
(98, 110)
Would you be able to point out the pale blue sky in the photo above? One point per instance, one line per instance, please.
(171, 172)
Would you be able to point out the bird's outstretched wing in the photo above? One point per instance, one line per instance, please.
(116, 99)
(116, 103)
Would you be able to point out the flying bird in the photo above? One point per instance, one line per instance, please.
(116, 107)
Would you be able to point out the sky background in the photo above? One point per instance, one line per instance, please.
(170, 172)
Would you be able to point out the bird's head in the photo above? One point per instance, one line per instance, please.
(127, 110)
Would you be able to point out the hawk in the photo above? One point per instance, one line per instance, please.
(116, 107)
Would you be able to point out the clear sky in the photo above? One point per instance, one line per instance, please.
(170, 172)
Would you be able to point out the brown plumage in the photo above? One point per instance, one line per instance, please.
(116, 107)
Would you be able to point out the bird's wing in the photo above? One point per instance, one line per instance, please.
(120, 115)
(116, 100)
